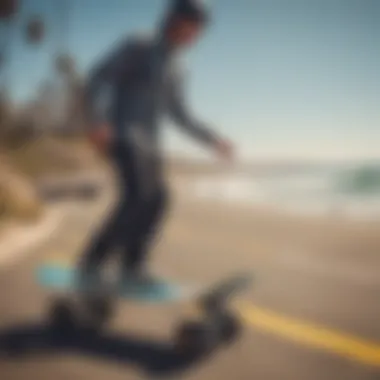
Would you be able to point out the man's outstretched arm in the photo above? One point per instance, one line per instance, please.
(180, 114)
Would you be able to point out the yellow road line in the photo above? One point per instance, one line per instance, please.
(298, 331)
(345, 345)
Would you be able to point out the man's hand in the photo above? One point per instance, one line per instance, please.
(224, 149)
(101, 137)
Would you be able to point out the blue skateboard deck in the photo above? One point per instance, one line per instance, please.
(59, 278)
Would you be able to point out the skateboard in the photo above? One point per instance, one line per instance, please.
(215, 322)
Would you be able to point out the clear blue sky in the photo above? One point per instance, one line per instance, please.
(293, 77)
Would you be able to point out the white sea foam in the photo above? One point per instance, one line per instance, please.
(315, 193)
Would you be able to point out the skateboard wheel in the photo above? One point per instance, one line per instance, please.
(194, 338)
(62, 315)
(230, 327)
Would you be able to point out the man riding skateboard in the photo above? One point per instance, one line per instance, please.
(143, 81)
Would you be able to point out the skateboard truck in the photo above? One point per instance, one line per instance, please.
(215, 300)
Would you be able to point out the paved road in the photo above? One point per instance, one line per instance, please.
(310, 316)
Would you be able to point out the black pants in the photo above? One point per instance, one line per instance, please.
(138, 213)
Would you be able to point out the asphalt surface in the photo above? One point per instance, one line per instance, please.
(312, 315)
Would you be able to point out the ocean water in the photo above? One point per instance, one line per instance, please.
(352, 191)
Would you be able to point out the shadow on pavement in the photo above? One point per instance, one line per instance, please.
(153, 357)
